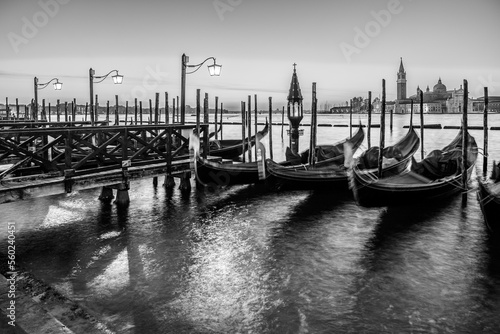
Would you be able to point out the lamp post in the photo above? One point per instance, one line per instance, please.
(37, 86)
(213, 70)
(117, 79)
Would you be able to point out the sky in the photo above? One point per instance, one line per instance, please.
(347, 47)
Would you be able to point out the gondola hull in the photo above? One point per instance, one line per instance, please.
(398, 193)
(490, 206)
(233, 148)
(304, 177)
(218, 174)
(409, 187)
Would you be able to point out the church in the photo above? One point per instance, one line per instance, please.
(438, 101)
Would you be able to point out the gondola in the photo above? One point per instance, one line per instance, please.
(210, 172)
(327, 154)
(436, 177)
(488, 195)
(330, 173)
(233, 148)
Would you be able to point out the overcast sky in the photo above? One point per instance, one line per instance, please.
(346, 46)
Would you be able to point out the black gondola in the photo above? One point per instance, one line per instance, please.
(233, 148)
(436, 177)
(210, 172)
(329, 173)
(488, 195)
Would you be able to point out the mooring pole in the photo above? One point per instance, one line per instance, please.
(465, 143)
(390, 119)
(150, 119)
(117, 116)
(167, 120)
(350, 118)
(421, 94)
(126, 112)
(255, 124)
(249, 124)
(369, 118)
(382, 132)
(221, 112)
(485, 142)
(312, 141)
(243, 111)
(135, 110)
(282, 121)
(270, 127)
(411, 114)
(205, 132)
(216, 116)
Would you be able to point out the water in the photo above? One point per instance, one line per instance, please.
(247, 260)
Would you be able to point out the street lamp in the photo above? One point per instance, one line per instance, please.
(37, 86)
(117, 79)
(213, 70)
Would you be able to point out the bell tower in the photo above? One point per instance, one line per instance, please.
(401, 82)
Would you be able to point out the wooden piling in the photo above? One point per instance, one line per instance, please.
(65, 111)
(391, 113)
(106, 195)
(198, 112)
(173, 110)
(150, 120)
(167, 120)
(312, 141)
(421, 95)
(369, 118)
(465, 143)
(382, 132)
(178, 110)
(255, 123)
(411, 114)
(117, 116)
(157, 108)
(485, 127)
(86, 110)
(96, 106)
(350, 118)
(72, 109)
(107, 111)
(243, 120)
(126, 112)
(282, 121)
(50, 118)
(140, 112)
(44, 117)
(215, 116)
(169, 182)
(221, 112)
(270, 127)
(135, 110)
(57, 111)
(205, 132)
(17, 109)
(249, 125)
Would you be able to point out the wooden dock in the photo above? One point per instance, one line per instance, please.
(43, 158)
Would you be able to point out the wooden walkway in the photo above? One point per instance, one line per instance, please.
(41, 158)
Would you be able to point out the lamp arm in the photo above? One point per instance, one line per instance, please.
(103, 77)
(198, 66)
(43, 85)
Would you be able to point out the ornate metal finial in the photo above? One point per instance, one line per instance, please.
(294, 65)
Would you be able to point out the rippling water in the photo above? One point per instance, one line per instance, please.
(244, 259)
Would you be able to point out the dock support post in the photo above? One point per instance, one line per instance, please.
(155, 181)
(169, 179)
(106, 194)
(122, 197)
(185, 185)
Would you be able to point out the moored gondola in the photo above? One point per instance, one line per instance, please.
(436, 177)
(233, 148)
(488, 195)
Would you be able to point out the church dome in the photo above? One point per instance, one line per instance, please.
(439, 87)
